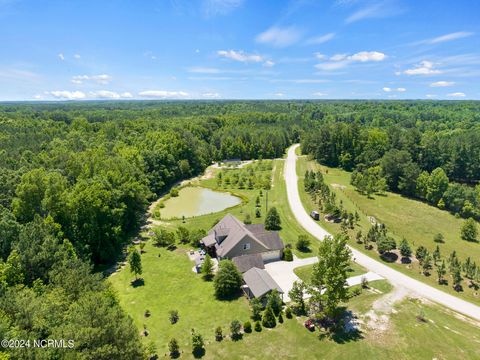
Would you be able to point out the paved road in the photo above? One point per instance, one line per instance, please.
(395, 277)
(282, 273)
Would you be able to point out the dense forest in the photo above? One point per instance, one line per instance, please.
(76, 179)
(75, 182)
(425, 150)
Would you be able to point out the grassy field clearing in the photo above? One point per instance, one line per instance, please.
(414, 220)
(305, 272)
(170, 284)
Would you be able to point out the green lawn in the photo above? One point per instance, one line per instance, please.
(277, 197)
(169, 284)
(305, 272)
(414, 220)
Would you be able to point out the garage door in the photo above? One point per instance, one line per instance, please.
(271, 256)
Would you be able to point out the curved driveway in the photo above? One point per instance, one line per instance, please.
(394, 276)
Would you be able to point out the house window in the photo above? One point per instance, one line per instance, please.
(246, 246)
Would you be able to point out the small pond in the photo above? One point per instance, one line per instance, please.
(195, 201)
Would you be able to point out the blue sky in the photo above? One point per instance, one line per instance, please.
(239, 49)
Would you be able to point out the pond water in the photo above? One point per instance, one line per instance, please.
(194, 201)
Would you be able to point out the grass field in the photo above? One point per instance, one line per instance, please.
(305, 272)
(414, 220)
(170, 284)
(277, 197)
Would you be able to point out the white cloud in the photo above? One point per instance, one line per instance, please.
(204, 70)
(442, 84)
(456, 94)
(102, 79)
(431, 96)
(279, 37)
(364, 56)
(279, 94)
(61, 57)
(211, 95)
(240, 56)
(163, 94)
(339, 61)
(450, 37)
(77, 56)
(331, 65)
(400, 89)
(320, 39)
(220, 7)
(67, 95)
(105, 94)
(320, 56)
(338, 57)
(319, 94)
(268, 63)
(424, 68)
(380, 9)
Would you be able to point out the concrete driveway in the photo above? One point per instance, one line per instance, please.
(282, 273)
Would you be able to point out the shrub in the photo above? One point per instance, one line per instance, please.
(258, 213)
(280, 318)
(302, 243)
(258, 326)
(174, 192)
(268, 319)
(364, 282)
(173, 316)
(235, 329)
(218, 334)
(173, 348)
(163, 237)
(288, 312)
(287, 254)
(198, 345)
(247, 327)
(257, 308)
(247, 220)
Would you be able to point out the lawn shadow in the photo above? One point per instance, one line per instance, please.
(236, 337)
(389, 257)
(231, 297)
(198, 353)
(349, 331)
(138, 282)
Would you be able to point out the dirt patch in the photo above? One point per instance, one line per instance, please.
(377, 320)
(338, 186)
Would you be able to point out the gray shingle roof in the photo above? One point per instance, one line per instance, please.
(237, 232)
(260, 282)
(246, 262)
(270, 239)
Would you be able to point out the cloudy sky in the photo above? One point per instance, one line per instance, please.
(239, 49)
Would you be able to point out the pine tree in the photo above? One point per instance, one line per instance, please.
(173, 348)
(272, 220)
(135, 262)
(436, 255)
(405, 249)
(268, 319)
(441, 271)
(207, 268)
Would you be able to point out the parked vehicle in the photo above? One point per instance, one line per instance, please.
(310, 325)
(315, 215)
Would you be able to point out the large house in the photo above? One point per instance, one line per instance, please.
(247, 245)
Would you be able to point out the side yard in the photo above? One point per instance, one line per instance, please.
(404, 218)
